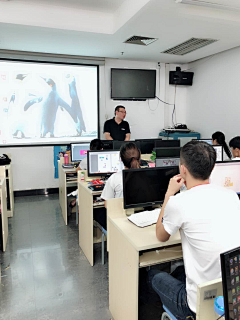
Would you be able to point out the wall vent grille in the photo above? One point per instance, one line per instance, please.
(142, 41)
(189, 46)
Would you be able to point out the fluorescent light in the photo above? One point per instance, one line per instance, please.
(205, 3)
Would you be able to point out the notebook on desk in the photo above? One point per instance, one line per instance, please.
(145, 218)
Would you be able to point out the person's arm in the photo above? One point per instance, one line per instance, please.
(108, 136)
(78, 168)
(127, 138)
(174, 186)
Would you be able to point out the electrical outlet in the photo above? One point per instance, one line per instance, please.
(210, 294)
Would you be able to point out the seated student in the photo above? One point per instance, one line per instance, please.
(208, 217)
(218, 139)
(95, 144)
(130, 156)
(234, 144)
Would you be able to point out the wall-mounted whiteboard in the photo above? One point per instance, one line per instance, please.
(43, 103)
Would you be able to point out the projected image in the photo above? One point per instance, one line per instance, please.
(47, 103)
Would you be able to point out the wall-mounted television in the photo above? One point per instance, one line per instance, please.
(133, 84)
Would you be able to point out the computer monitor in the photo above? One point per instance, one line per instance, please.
(146, 145)
(104, 162)
(107, 144)
(219, 152)
(117, 144)
(167, 143)
(226, 174)
(79, 151)
(146, 187)
(230, 265)
(168, 152)
(209, 141)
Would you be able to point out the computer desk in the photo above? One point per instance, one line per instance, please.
(131, 248)
(88, 234)
(63, 185)
(4, 214)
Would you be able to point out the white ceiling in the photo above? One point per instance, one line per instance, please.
(99, 28)
(97, 5)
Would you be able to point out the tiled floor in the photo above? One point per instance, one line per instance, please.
(45, 275)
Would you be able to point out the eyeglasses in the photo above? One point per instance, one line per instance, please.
(123, 112)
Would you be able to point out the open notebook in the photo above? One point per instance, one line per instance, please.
(145, 218)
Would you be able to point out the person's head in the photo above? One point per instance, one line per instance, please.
(96, 144)
(197, 160)
(130, 155)
(234, 144)
(218, 138)
(120, 112)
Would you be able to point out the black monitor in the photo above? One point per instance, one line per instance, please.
(146, 187)
(79, 151)
(107, 144)
(146, 145)
(168, 152)
(230, 265)
(133, 84)
(167, 143)
(226, 174)
(104, 162)
(117, 144)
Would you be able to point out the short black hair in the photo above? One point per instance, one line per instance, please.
(235, 143)
(118, 107)
(199, 158)
(96, 144)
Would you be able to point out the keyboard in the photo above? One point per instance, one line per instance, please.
(145, 218)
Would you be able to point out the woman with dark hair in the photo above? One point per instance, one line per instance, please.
(130, 156)
(218, 139)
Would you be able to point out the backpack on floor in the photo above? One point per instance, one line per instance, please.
(4, 159)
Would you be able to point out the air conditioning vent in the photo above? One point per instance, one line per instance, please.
(189, 46)
(142, 41)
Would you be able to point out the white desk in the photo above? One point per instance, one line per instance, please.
(4, 215)
(127, 253)
(63, 185)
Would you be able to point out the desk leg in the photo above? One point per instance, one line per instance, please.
(85, 205)
(123, 276)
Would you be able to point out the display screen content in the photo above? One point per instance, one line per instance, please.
(230, 263)
(219, 152)
(104, 162)
(226, 174)
(145, 187)
(209, 141)
(44, 103)
(79, 151)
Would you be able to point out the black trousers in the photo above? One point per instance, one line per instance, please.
(100, 215)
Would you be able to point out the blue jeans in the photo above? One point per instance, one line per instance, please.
(171, 289)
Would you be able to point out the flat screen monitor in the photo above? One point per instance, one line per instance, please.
(133, 84)
(226, 174)
(104, 162)
(219, 152)
(79, 151)
(117, 144)
(146, 187)
(167, 143)
(107, 144)
(230, 265)
(209, 141)
(168, 152)
(146, 145)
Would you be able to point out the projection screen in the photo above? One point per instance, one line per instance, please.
(43, 103)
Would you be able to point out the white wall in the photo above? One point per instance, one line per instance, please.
(213, 102)
(146, 118)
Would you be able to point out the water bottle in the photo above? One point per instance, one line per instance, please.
(66, 159)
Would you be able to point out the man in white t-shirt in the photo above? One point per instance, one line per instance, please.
(234, 144)
(208, 218)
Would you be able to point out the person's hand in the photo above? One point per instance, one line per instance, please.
(175, 185)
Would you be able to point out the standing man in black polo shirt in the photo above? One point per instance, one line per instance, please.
(116, 128)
